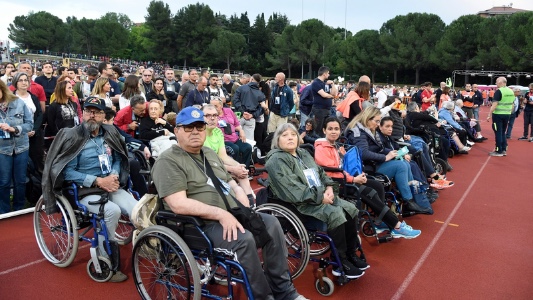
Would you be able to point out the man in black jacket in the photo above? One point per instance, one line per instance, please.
(250, 102)
(47, 81)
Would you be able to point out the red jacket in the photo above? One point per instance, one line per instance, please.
(124, 118)
(328, 156)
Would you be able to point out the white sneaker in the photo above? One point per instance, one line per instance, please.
(469, 143)
(466, 148)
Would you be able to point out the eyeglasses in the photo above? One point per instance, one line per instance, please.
(189, 128)
(211, 116)
(93, 112)
(375, 120)
(147, 75)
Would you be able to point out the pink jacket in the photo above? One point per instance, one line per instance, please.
(328, 156)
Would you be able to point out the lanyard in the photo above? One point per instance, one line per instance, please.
(100, 149)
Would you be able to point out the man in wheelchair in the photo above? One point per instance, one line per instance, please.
(94, 157)
(182, 180)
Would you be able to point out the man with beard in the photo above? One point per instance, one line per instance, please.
(92, 155)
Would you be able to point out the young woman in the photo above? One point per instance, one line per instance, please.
(361, 132)
(63, 111)
(16, 121)
(329, 154)
(21, 82)
(8, 76)
(159, 93)
(295, 178)
(101, 89)
(131, 88)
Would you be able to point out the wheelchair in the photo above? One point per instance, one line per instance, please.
(58, 234)
(308, 242)
(175, 259)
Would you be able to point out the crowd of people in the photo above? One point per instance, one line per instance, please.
(206, 125)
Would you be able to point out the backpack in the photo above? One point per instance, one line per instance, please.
(306, 99)
(352, 162)
(144, 212)
(417, 97)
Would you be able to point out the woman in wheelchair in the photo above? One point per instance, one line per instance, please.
(295, 178)
(361, 132)
(329, 154)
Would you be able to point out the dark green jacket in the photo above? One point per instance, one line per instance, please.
(288, 183)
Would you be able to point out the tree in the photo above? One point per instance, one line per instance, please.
(139, 44)
(195, 31)
(310, 40)
(121, 19)
(277, 23)
(84, 33)
(514, 41)
(283, 56)
(458, 46)
(111, 37)
(228, 46)
(413, 37)
(260, 43)
(40, 30)
(368, 52)
(159, 31)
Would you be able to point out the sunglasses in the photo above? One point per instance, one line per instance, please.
(189, 128)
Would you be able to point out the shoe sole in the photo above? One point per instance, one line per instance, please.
(407, 237)
(338, 274)
(440, 187)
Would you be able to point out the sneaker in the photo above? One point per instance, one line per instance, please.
(381, 227)
(531, 140)
(441, 183)
(405, 231)
(470, 143)
(118, 277)
(300, 297)
(350, 270)
(466, 148)
(358, 263)
(504, 153)
(494, 153)
(523, 138)
(481, 138)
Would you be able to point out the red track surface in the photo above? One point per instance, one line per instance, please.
(477, 245)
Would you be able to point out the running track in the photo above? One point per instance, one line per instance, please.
(477, 245)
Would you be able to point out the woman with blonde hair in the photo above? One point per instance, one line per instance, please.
(362, 132)
(101, 89)
(16, 121)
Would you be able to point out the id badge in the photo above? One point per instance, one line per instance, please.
(225, 186)
(4, 134)
(104, 163)
(277, 101)
(76, 120)
(312, 178)
(210, 182)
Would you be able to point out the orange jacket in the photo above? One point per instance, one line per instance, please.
(344, 106)
(326, 155)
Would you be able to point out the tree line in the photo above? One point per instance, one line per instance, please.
(408, 48)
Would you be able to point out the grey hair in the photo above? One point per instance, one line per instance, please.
(137, 99)
(16, 78)
(412, 106)
(516, 89)
(208, 106)
(281, 129)
(228, 76)
(448, 105)
(458, 102)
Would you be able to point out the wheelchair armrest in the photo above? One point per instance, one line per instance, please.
(169, 215)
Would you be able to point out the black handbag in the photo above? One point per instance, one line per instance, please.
(249, 218)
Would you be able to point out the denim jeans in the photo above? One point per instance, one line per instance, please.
(242, 152)
(400, 170)
(499, 125)
(303, 118)
(476, 113)
(14, 168)
(510, 125)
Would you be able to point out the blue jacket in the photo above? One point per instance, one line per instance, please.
(17, 115)
(446, 115)
(369, 144)
(247, 98)
(286, 99)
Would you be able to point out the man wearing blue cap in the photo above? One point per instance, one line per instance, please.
(181, 178)
(92, 155)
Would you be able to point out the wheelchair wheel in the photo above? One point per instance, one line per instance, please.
(326, 287)
(57, 233)
(451, 153)
(105, 268)
(368, 229)
(124, 232)
(296, 237)
(164, 267)
(319, 247)
(441, 167)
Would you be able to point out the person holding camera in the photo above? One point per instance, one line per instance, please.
(183, 178)
(228, 122)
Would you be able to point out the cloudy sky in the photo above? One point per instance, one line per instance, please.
(359, 14)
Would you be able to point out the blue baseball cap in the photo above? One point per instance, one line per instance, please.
(189, 115)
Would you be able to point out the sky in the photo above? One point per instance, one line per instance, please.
(355, 15)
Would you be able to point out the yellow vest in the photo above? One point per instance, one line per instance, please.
(505, 105)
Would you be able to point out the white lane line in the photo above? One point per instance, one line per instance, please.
(430, 247)
(32, 263)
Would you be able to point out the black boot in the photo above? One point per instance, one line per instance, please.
(118, 276)
(411, 206)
